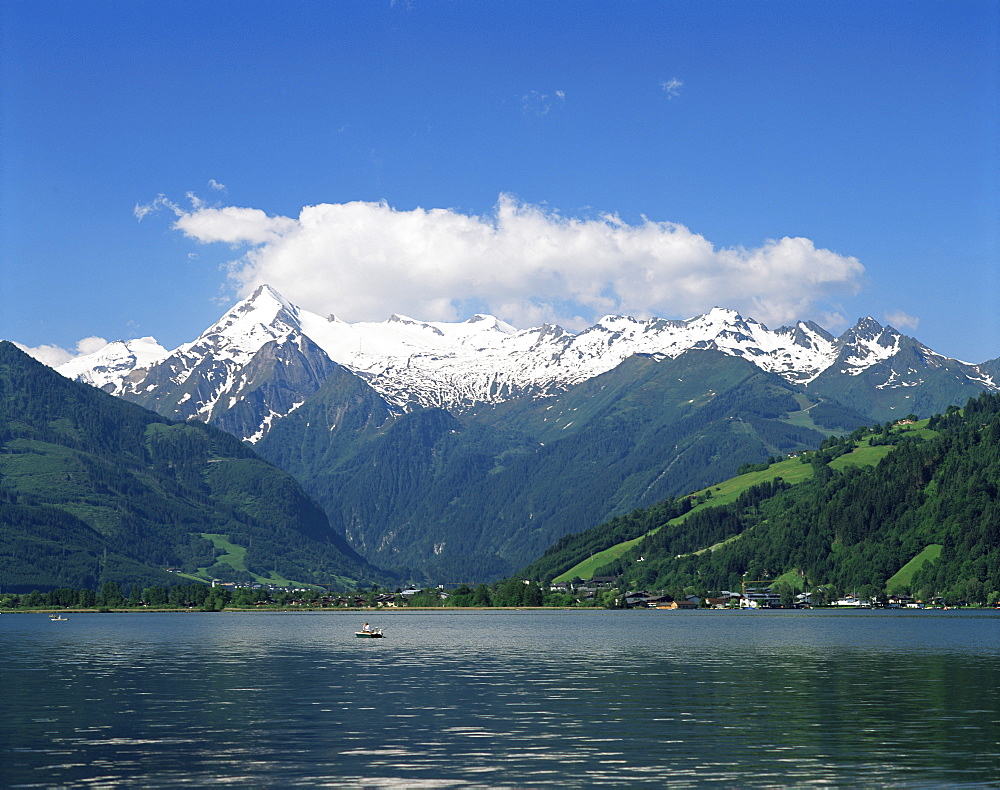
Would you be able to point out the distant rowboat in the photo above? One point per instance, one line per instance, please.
(375, 633)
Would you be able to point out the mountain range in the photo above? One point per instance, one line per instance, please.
(461, 451)
(265, 356)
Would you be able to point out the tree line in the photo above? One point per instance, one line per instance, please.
(513, 592)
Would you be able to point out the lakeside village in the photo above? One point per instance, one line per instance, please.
(599, 592)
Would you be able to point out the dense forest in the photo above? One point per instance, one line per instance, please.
(844, 528)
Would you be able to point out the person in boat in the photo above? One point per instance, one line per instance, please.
(366, 628)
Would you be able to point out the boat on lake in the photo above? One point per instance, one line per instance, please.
(57, 617)
(374, 633)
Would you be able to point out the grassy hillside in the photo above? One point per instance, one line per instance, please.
(791, 471)
(724, 493)
(894, 507)
(903, 578)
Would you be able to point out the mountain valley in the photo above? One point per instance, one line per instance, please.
(461, 451)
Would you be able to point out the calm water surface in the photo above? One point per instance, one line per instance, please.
(502, 699)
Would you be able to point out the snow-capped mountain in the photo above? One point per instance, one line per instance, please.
(108, 368)
(252, 366)
(265, 356)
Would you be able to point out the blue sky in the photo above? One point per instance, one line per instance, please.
(544, 161)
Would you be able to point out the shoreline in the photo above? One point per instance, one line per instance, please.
(461, 609)
(300, 610)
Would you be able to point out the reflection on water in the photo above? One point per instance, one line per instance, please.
(491, 699)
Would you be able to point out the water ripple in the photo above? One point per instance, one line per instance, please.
(490, 700)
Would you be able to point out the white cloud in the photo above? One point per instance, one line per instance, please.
(901, 320)
(232, 225)
(90, 344)
(47, 355)
(832, 320)
(213, 184)
(672, 87)
(526, 264)
(142, 210)
(53, 356)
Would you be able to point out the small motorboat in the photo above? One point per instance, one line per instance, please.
(57, 617)
(374, 633)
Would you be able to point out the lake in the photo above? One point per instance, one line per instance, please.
(484, 699)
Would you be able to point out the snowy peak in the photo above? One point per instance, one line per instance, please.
(866, 344)
(807, 334)
(478, 327)
(263, 316)
(108, 367)
(491, 322)
(395, 318)
(868, 331)
(265, 298)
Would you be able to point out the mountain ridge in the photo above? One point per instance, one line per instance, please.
(483, 360)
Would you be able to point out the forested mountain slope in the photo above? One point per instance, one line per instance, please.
(450, 497)
(96, 489)
(848, 527)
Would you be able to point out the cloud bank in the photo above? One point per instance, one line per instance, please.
(523, 263)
